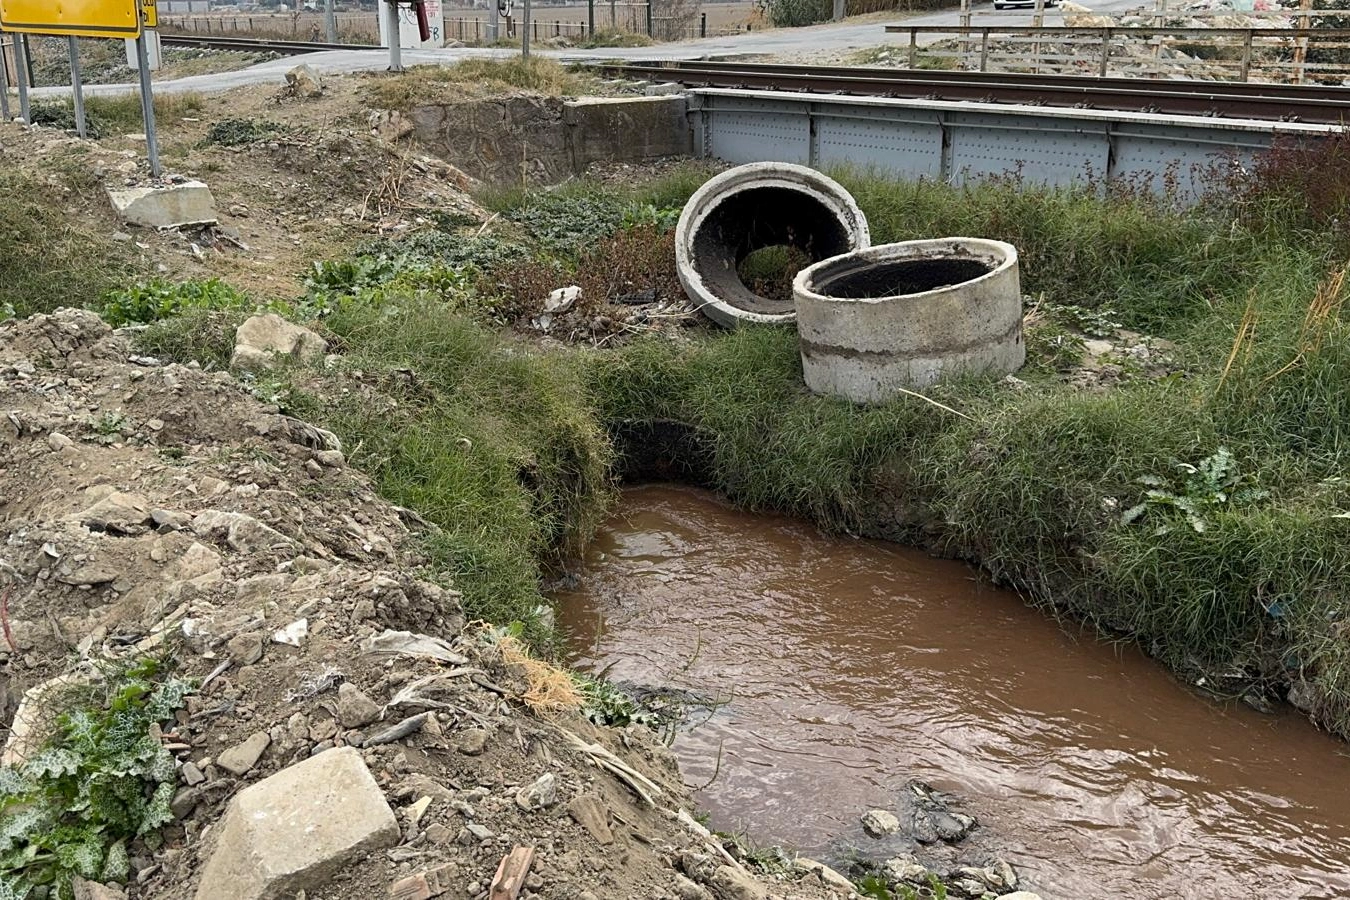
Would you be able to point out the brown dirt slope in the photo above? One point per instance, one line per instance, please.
(147, 506)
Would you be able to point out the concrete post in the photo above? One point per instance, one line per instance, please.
(330, 21)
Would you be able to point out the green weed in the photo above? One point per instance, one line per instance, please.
(101, 782)
(150, 301)
(1207, 487)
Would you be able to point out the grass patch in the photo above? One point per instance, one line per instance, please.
(121, 113)
(433, 84)
(49, 259)
(494, 444)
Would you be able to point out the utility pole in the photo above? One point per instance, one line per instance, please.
(330, 21)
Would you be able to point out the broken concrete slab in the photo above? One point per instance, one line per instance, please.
(165, 206)
(290, 832)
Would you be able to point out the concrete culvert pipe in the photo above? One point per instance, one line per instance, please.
(905, 315)
(752, 207)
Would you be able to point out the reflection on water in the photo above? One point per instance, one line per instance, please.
(852, 666)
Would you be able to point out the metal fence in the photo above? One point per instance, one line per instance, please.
(352, 28)
(363, 29)
(1294, 55)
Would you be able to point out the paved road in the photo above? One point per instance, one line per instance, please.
(840, 37)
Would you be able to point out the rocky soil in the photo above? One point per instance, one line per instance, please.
(158, 508)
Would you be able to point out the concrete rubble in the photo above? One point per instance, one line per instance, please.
(162, 206)
(292, 830)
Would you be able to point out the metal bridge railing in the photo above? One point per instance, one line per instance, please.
(1296, 55)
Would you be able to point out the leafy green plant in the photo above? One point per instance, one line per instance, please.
(606, 704)
(6, 311)
(102, 781)
(1052, 347)
(1213, 484)
(663, 218)
(150, 301)
(109, 423)
(1098, 323)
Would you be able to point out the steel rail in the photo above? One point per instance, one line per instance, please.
(286, 48)
(1319, 104)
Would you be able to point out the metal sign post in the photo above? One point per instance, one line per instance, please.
(77, 86)
(21, 73)
(148, 106)
(4, 86)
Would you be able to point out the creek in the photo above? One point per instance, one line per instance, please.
(848, 667)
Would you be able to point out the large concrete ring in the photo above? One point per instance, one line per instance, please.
(750, 207)
(905, 315)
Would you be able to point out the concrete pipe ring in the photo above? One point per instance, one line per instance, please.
(752, 207)
(905, 315)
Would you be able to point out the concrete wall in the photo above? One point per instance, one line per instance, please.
(506, 140)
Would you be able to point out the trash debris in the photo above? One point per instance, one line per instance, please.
(293, 634)
(405, 643)
(561, 300)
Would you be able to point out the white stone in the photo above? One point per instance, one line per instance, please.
(304, 81)
(290, 832)
(170, 206)
(879, 822)
(262, 340)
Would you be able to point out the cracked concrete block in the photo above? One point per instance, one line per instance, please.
(290, 832)
(169, 206)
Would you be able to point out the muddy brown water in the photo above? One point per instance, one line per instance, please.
(852, 666)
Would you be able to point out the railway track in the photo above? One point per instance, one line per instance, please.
(1317, 104)
(254, 45)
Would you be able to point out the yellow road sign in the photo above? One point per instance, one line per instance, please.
(81, 18)
(149, 14)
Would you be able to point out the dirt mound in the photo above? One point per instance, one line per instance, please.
(146, 507)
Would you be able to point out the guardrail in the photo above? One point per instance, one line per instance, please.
(1238, 54)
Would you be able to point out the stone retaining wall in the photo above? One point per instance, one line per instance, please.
(506, 140)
